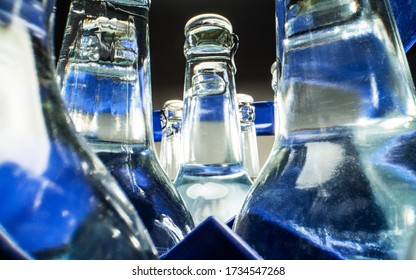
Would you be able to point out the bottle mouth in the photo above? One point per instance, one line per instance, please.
(244, 99)
(214, 20)
(171, 114)
(210, 35)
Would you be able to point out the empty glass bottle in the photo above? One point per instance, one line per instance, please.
(343, 173)
(212, 179)
(170, 146)
(247, 116)
(104, 67)
(58, 200)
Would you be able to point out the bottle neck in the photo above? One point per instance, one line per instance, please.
(170, 147)
(211, 128)
(250, 151)
(104, 69)
(346, 67)
(171, 153)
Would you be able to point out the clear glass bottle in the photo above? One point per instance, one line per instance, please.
(104, 67)
(343, 173)
(212, 178)
(170, 146)
(58, 200)
(247, 116)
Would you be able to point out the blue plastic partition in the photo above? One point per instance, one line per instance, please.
(264, 121)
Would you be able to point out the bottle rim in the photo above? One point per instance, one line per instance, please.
(206, 20)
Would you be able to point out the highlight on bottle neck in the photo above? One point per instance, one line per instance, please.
(275, 75)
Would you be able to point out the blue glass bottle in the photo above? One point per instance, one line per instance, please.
(58, 200)
(104, 68)
(212, 178)
(342, 172)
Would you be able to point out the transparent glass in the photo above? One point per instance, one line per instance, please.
(342, 171)
(212, 178)
(247, 116)
(58, 200)
(104, 69)
(170, 146)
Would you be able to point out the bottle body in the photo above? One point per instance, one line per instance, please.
(59, 201)
(212, 178)
(105, 72)
(340, 172)
(336, 191)
(213, 190)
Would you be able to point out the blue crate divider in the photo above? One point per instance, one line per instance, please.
(214, 240)
(211, 240)
(294, 246)
(264, 121)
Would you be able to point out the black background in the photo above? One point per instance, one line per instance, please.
(253, 22)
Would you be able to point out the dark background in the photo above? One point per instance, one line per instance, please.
(253, 22)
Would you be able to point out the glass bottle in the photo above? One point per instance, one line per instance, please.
(212, 178)
(247, 116)
(170, 146)
(104, 67)
(343, 173)
(58, 200)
